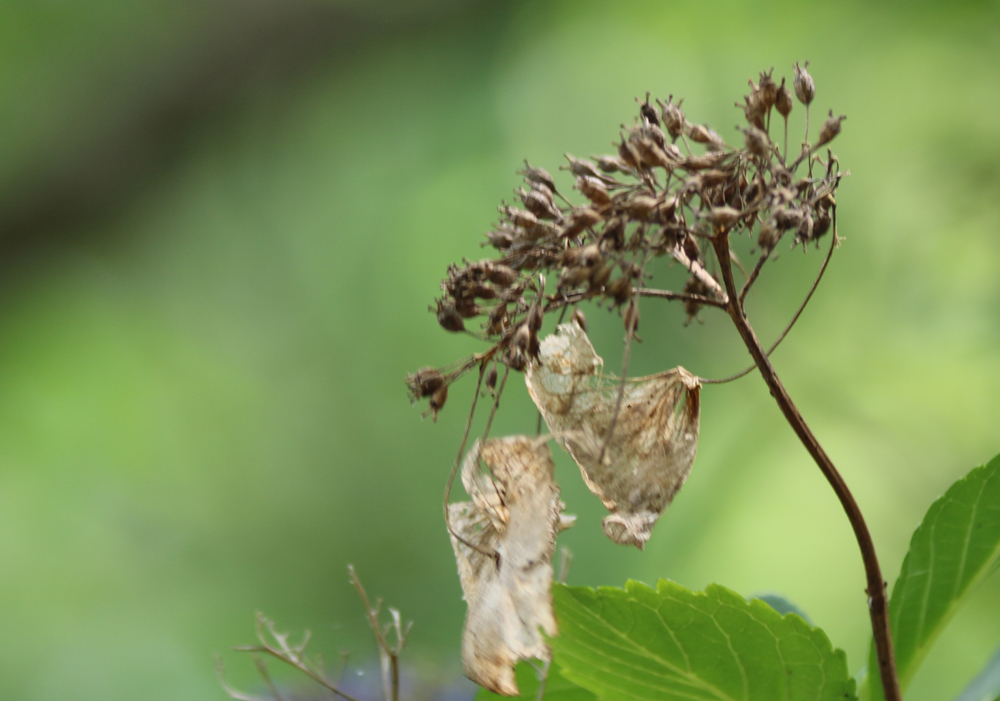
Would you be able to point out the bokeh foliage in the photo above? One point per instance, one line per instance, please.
(222, 225)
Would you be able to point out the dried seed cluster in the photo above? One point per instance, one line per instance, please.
(670, 187)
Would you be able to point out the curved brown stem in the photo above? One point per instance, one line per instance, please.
(877, 605)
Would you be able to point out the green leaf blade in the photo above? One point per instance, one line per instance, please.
(557, 687)
(672, 643)
(956, 546)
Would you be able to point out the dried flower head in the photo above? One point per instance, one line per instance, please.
(805, 88)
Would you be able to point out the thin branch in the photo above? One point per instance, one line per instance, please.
(458, 461)
(781, 337)
(699, 270)
(680, 296)
(876, 589)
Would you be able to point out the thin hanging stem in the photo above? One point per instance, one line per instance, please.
(877, 604)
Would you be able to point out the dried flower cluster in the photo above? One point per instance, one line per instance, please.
(673, 188)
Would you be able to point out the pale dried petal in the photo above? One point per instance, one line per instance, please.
(515, 513)
(654, 441)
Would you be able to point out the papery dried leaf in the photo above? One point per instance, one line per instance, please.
(652, 447)
(514, 513)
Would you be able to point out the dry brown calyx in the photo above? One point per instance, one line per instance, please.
(513, 519)
(635, 464)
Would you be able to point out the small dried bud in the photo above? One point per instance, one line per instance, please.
(673, 117)
(757, 142)
(593, 189)
(768, 89)
(613, 235)
(831, 127)
(754, 110)
(581, 218)
(642, 207)
(783, 101)
(448, 316)
(519, 217)
(600, 276)
(700, 134)
(437, 400)
(575, 276)
(499, 274)
(805, 87)
(582, 168)
(723, 217)
(629, 154)
(539, 202)
(620, 289)
(768, 237)
(500, 238)
(424, 382)
(537, 175)
(491, 378)
(580, 319)
(822, 223)
(691, 248)
(648, 113)
(609, 164)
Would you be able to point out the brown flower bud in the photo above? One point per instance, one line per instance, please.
(491, 378)
(768, 237)
(673, 117)
(575, 276)
(535, 316)
(613, 235)
(579, 318)
(593, 189)
(581, 218)
(437, 400)
(723, 217)
(783, 101)
(753, 110)
(448, 316)
(600, 276)
(642, 207)
(581, 168)
(757, 142)
(424, 382)
(537, 175)
(519, 217)
(500, 238)
(648, 113)
(539, 202)
(701, 134)
(499, 274)
(831, 127)
(620, 289)
(609, 164)
(767, 89)
(631, 317)
(805, 87)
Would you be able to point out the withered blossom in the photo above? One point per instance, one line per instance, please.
(513, 519)
(634, 463)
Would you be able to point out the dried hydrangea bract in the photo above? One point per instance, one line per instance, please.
(652, 443)
(514, 513)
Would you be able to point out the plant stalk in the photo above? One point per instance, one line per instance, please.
(877, 603)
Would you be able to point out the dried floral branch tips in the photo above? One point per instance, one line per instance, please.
(650, 448)
(805, 87)
(515, 513)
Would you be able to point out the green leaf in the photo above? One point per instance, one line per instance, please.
(557, 687)
(671, 643)
(953, 550)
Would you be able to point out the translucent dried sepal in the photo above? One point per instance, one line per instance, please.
(651, 450)
(514, 513)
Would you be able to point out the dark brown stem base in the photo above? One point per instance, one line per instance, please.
(876, 590)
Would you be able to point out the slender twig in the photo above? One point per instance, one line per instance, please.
(389, 656)
(681, 296)
(834, 242)
(454, 469)
(876, 589)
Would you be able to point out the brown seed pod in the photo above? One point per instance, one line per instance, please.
(831, 127)
(767, 89)
(805, 87)
(438, 399)
(491, 378)
(613, 235)
(535, 316)
(647, 113)
(594, 190)
(673, 117)
(580, 219)
(448, 316)
(609, 164)
(783, 100)
(620, 289)
(754, 111)
(582, 168)
(539, 202)
(537, 175)
(424, 382)
(723, 218)
(579, 319)
(757, 142)
(499, 274)
(642, 207)
(518, 217)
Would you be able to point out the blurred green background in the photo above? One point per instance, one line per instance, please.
(221, 225)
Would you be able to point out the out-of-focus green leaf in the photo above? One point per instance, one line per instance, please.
(782, 605)
(671, 643)
(557, 687)
(955, 548)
